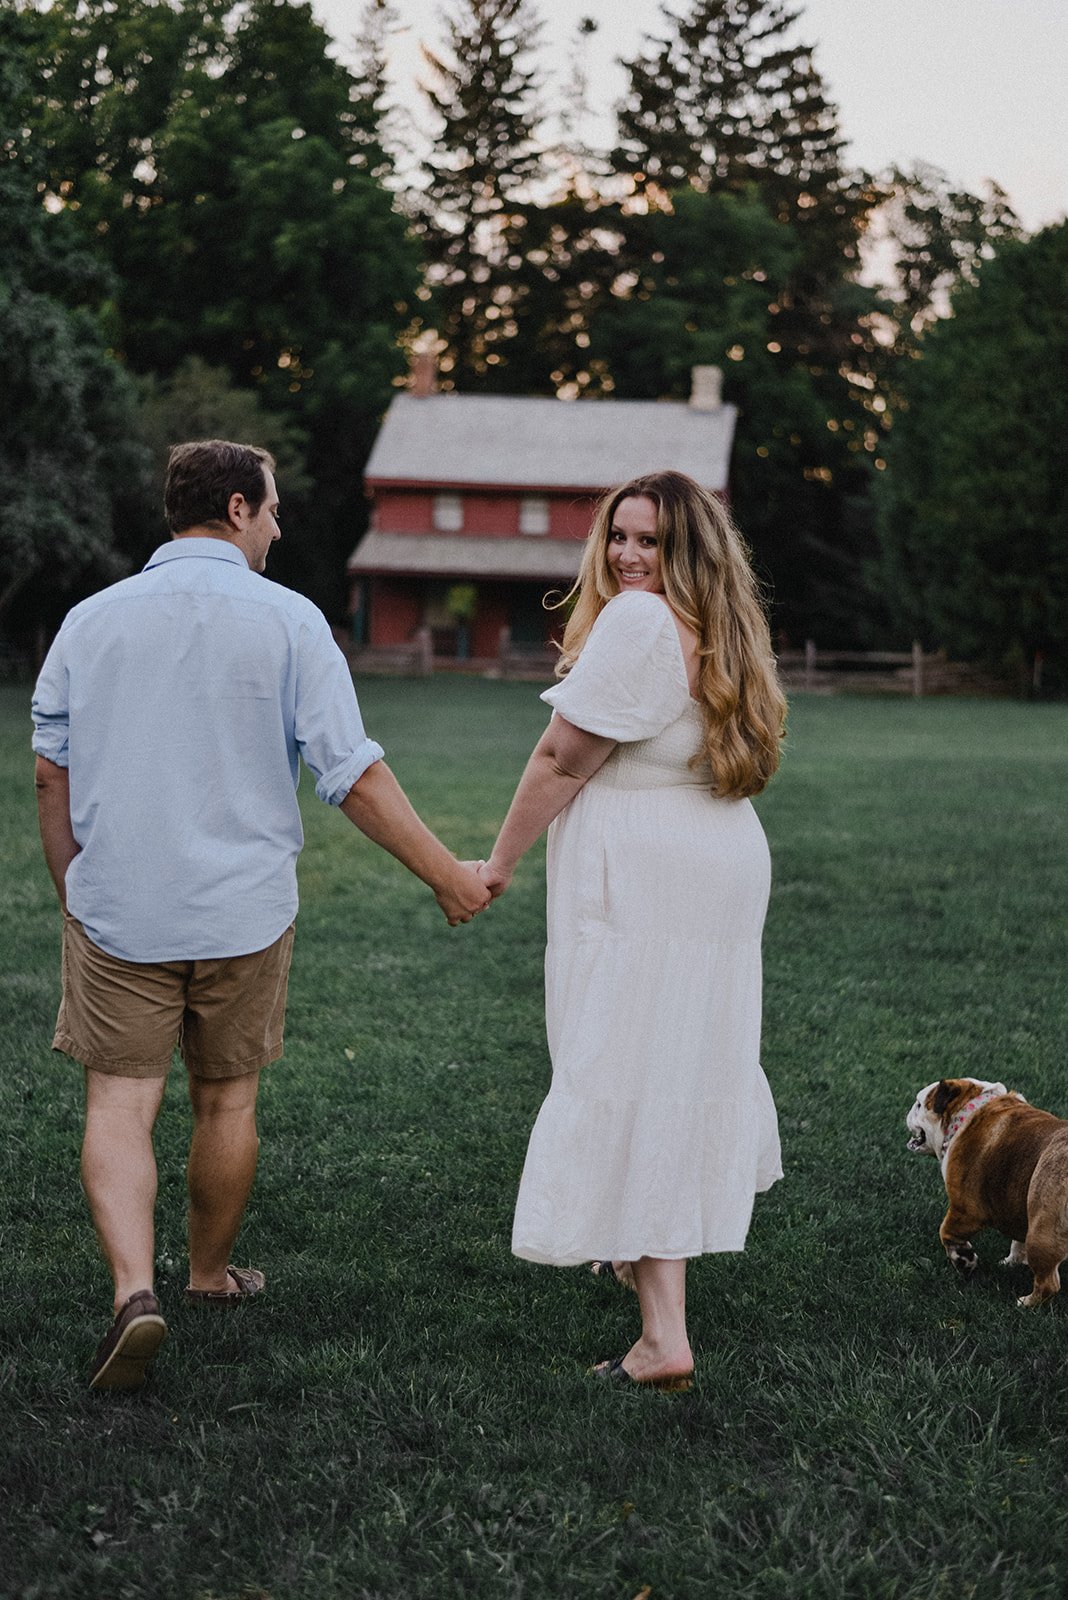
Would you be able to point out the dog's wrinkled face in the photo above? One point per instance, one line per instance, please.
(933, 1108)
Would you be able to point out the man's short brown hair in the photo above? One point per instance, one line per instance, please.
(203, 475)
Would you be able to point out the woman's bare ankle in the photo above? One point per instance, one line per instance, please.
(659, 1358)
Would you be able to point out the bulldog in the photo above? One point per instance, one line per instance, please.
(1005, 1165)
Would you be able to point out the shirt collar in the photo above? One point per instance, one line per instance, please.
(207, 549)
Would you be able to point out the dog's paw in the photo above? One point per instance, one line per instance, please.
(1027, 1302)
(964, 1257)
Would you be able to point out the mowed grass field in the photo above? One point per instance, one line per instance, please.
(406, 1413)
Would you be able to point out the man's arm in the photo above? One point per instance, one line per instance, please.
(53, 814)
(379, 807)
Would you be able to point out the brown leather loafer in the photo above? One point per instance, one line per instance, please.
(247, 1282)
(123, 1355)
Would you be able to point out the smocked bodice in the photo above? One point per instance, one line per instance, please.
(662, 762)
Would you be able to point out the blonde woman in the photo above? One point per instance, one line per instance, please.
(659, 1127)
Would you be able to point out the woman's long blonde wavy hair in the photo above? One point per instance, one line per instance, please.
(709, 584)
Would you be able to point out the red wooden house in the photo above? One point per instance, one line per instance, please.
(481, 504)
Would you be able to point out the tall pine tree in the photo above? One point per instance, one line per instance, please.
(727, 101)
(723, 97)
(478, 180)
(939, 235)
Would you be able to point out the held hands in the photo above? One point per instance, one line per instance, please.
(494, 877)
(465, 895)
(471, 888)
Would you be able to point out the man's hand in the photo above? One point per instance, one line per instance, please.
(378, 806)
(495, 879)
(465, 896)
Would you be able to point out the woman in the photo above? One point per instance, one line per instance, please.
(659, 1126)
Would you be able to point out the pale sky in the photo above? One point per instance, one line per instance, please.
(978, 88)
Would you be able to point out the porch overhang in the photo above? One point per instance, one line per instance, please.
(417, 555)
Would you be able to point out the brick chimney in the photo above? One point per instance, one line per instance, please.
(423, 375)
(706, 388)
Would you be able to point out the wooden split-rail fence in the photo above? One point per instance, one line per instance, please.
(915, 672)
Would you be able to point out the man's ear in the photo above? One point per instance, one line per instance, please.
(237, 511)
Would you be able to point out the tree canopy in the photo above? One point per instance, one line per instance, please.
(206, 215)
(975, 510)
(71, 465)
(219, 161)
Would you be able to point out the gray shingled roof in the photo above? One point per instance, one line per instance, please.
(464, 556)
(548, 444)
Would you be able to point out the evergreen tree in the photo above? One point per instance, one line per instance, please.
(479, 177)
(371, 89)
(715, 268)
(939, 235)
(725, 98)
(725, 101)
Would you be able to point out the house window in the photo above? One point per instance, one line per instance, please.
(448, 512)
(533, 513)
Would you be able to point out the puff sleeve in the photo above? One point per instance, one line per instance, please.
(630, 681)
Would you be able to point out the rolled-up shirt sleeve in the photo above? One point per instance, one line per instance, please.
(329, 728)
(51, 708)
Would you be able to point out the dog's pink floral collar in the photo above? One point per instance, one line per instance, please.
(967, 1112)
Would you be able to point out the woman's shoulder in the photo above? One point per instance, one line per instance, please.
(636, 632)
(637, 609)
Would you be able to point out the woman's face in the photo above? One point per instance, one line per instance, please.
(633, 548)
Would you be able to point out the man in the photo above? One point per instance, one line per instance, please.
(168, 721)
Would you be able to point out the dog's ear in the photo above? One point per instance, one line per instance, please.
(943, 1094)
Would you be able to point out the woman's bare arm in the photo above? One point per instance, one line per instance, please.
(564, 758)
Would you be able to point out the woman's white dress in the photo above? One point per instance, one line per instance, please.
(659, 1127)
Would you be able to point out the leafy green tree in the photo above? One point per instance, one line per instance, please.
(71, 469)
(69, 461)
(202, 402)
(225, 166)
(974, 517)
(474, 217)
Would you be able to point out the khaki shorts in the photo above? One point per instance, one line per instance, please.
(126, 1017)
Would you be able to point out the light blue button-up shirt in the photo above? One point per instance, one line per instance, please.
(180, 700)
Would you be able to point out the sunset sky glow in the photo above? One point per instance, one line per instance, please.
(978, 88)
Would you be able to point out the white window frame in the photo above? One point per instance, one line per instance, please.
(534, 514)
(448, 512)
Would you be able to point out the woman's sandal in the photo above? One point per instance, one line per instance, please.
(616, 1372)
(249, 1281)
(606, 1269)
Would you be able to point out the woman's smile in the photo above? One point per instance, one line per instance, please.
(633, 547)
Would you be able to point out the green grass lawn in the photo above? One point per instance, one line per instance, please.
(406, 1414)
